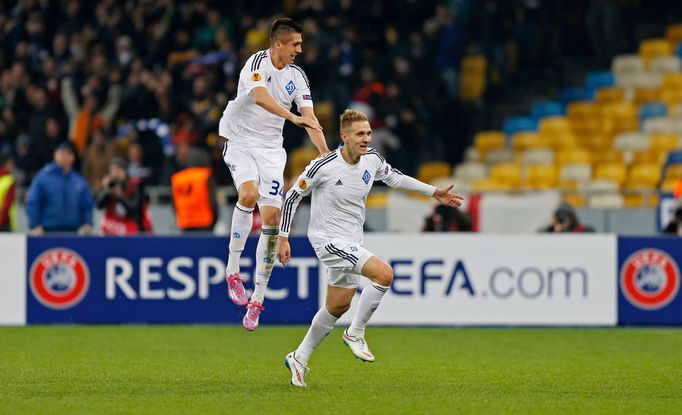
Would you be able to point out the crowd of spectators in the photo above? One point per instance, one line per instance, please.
(148, 80)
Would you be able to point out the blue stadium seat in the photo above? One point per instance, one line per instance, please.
(674, 157)
(652, 109)
(678, 50)
(568, 95)
(546, 109)
(516, 124)
(599, 79)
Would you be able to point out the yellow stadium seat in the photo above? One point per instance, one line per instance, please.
(560, 140)
(619, 117)
(652, 48)
(489, 185)
(644, 175)
(541, 176)
(572, 156)
(664, 141)
(671, 97)
(673, 34)
(576, 200)
(609, 95)
(509, 173)
(377, 200)
(554, 125)
(644, 95)
(326, 114)
(486, 141)
(299, 159)
(671, 81)
(612, 171)
(526, 140)
(608, 156)
(581, 109)
(433, 170)
(472, 81)
(649, 156)
(640, 199)
(619, 110)
(587, 126)
(668, 185)
(673, 171)
(595, 141)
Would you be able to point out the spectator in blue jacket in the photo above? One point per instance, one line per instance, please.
(59, 199)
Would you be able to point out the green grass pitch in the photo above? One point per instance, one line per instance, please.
(224, 369)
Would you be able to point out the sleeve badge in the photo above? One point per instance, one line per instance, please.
(256, 77)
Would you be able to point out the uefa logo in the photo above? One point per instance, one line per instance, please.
(59, 278)
(650, 279)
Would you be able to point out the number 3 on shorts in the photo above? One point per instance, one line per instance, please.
(276, 188)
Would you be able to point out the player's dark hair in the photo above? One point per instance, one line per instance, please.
(284, 25)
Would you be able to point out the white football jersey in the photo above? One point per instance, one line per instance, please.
(339, 195)
(249, 124)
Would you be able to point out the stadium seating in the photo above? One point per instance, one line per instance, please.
(644, 176)
(546, 108)
(599, 79)
(614, 171)
(507, 173)
(428, 171)
(653, 48)
(603, 145)
(472, 81)
(471, 170)
(538, 155)
(522, 141)
(299, 159)
(485, 141)
(623, 65)
(516, 124)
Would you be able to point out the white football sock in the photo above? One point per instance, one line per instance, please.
(265, 259)
(369, 302)
(242, 220)
(322, 324)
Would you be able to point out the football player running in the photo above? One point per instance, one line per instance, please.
(339, 183)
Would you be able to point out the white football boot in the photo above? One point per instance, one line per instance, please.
(298, 371)
(358, 346)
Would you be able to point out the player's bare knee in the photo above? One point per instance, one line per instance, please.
(248, 199)
(385, 277)
(337, 310)
(271, 220)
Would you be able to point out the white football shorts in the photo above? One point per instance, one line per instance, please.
(344, 261)
(263, 165)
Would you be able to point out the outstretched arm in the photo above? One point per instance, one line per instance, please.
(268, 103)
(445, 197)
(316, 136)
(394, 178)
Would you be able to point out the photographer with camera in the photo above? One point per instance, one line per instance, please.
(125, 208)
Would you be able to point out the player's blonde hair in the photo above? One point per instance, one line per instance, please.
(349, 117)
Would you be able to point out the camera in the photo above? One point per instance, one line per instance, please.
(113, 183)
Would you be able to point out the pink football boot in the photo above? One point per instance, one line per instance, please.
(236, 291)
(253, 310)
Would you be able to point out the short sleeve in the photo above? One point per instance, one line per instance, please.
(303, 96)
(254, 73)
